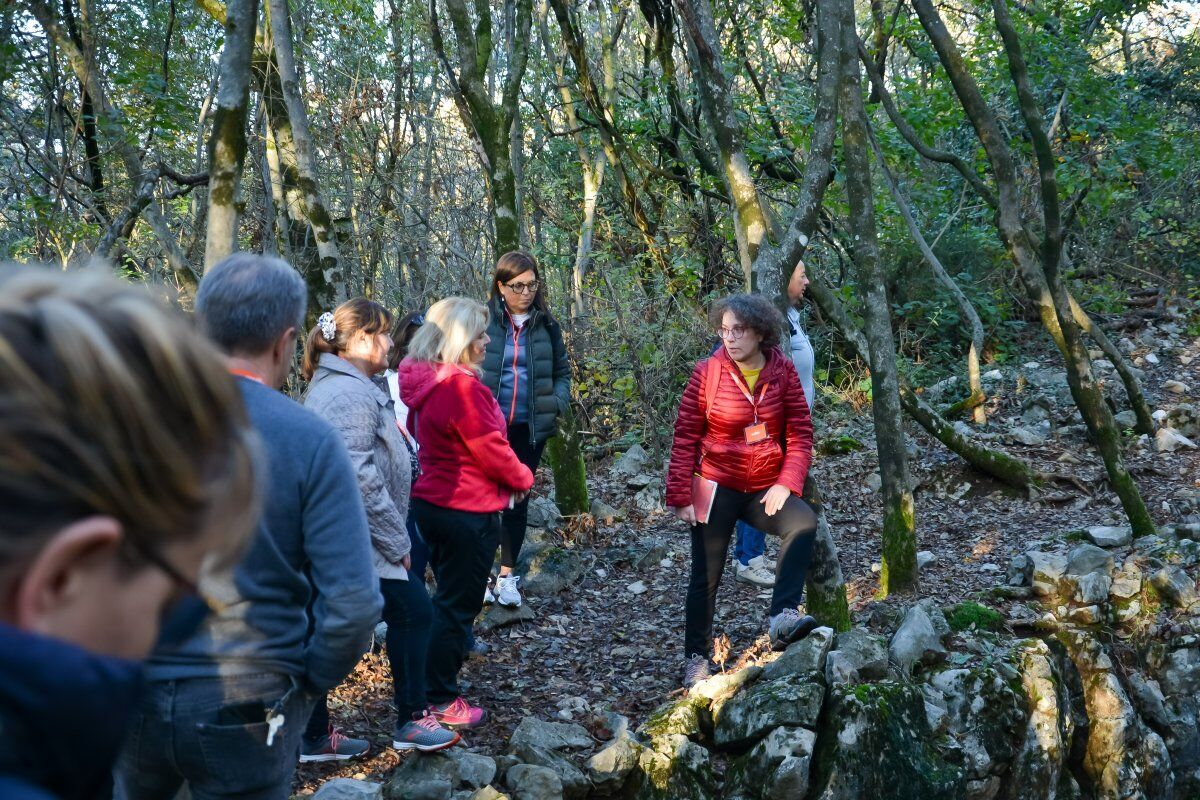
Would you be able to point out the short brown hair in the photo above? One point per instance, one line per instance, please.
(112, 405)
(351, 317)
(752, 310)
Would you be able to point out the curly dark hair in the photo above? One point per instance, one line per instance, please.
(752, 310)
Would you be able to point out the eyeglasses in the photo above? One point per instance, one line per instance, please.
(735, 333)
(522, 288)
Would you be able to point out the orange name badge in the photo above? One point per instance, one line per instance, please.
(756, 433)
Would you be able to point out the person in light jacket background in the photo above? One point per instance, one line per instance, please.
(344, 356)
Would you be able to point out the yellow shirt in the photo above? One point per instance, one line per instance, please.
(750, 376)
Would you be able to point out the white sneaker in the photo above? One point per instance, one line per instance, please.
(762, 562)
(488, 596)
(753, 574)
(508, 592)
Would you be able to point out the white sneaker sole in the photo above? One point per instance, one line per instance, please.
(503, 604)
(744, 578)
(425, 748)
(330, 757)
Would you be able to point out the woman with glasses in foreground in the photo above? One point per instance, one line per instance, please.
(526, 368)
(125, 462)
(742, 449)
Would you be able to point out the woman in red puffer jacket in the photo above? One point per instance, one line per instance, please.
(743, 445)
(469, 475)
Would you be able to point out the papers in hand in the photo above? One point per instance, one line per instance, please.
(704, 492)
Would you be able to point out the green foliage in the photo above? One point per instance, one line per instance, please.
(966, 615)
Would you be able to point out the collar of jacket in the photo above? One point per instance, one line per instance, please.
(329, 364)
(63, 712)
(772, 365)
(500, 311)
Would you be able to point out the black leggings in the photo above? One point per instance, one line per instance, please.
(512, 531)
(462, 545)
(795, 523)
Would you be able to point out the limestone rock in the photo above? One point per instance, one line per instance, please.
(1092, 588)
(687, 716)
(455, 768)
(633, 461)
(725, 684)
(876, 743)
(349, 789)
(1175, 586)
(675, 768)
(575, 784)
(534, 732)
(778, 767)
(1045, 571)
(864, 652)
(1126, 419)
(803, 658)
(498, 616)
(1040, 766)
(1175, 387)
(917, 641)
(1168, 440)
(1110, 535)
(487, 793)
(1026, 437)
(1185, 419)
(650, 499)
(553, 570)
(983, 717)
(925, 558)
(789, 701)
(529, 782)
(610, 769)
(605, 514)
(1086, 558)
(543, 513)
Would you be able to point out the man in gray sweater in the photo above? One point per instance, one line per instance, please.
(224, 711)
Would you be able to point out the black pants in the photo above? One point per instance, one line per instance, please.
(462, 545)
(407, 612)
(795, 523)
(512, 532)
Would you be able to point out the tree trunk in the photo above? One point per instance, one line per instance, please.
(564, 454)
(825, 585)
(899, 573)
(751, 219)
(227, 143)
(305, 177)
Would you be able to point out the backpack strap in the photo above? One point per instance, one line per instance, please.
(712, 377)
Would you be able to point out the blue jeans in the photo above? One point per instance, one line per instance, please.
(751, 543)
(211, 733)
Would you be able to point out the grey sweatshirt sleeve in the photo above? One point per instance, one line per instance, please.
(338, 548)
(357, 420)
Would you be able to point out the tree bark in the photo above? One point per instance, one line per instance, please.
(305, 178)
(227, 143)
(899, 573)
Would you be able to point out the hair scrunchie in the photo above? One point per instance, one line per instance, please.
(327, 325)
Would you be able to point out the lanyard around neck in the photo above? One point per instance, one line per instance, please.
(737, 381)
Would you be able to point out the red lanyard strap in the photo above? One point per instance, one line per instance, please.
(745, 393)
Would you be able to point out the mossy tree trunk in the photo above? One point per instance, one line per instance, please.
(564, 454)
(826, 587)
(899, 573)
(300, 166)
(490, 124)
(227, 143)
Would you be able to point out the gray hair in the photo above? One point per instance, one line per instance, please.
(247, 301)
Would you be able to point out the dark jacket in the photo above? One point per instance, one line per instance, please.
(63, 713)
(711, 440)
(313, 534)
(547, 363)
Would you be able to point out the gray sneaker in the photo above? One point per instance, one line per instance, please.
(789, 626)
(424, 734)
(695, 670)
(333, 747)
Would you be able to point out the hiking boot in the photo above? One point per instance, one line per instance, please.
(489, 595)
(424, 734)
(695, 670)
(335, 746)
(458, 714)
(789, 626)
(508, 591)
(753, 573)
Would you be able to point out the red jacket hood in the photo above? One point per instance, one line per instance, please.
(419, 378)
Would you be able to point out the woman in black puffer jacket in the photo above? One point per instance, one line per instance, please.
(526, 368)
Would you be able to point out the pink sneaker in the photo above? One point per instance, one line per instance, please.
(459, 714)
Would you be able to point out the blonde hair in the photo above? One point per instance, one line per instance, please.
(112, 405)
(450, 327)
(351, 317)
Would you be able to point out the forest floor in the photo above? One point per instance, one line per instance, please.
(608, 644)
